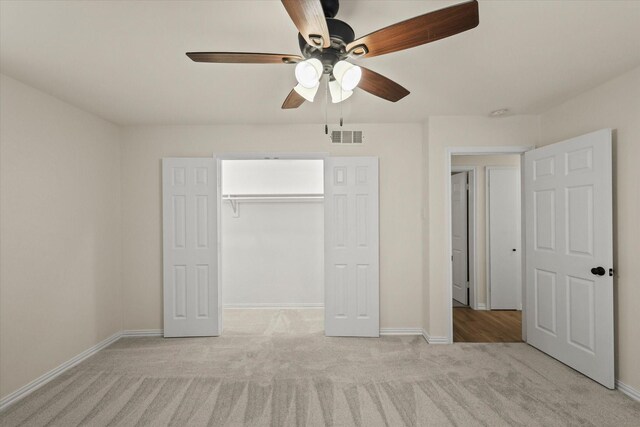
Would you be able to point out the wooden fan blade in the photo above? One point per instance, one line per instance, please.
(294, 100)
(309, 19)
(378, 85)
(416, 31)
(244, 57)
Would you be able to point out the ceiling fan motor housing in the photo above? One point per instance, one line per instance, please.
(330, 8)
(341, 35)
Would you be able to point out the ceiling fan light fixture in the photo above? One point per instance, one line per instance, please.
(307, 93)
(324, 41)
(309, 72)
(348, 75)
(338, 94)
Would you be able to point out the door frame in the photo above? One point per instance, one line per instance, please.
(472, 228)
(478, 151)
(272, 155)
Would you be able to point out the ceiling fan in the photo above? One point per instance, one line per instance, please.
(326, 43)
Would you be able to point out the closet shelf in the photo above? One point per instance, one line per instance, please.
(233, 199)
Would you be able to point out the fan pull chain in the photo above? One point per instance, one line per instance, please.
(326, 108)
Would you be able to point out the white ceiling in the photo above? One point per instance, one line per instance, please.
(125, 60)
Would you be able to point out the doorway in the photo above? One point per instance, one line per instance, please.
(485, 222)
(272, 246)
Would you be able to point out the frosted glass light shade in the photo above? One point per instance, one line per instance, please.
(307, 93)
(309, 72)
(338, 94)
(347, 75)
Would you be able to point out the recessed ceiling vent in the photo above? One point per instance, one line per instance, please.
(346, 137)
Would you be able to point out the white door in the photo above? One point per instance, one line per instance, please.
(504, 235)
(190, 244)
(459, 233)
(569, 292)
(351, 247)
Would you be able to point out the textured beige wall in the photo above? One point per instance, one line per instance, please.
(60, 288)
(398, 146)
(481, 163)
(616, 105)
(448, 132)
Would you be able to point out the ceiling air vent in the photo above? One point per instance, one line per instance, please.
(357, 137)
(346, 137)
(336, 137)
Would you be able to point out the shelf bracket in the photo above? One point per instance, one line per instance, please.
(234, 207)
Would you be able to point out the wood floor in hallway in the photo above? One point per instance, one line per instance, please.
(486, 326)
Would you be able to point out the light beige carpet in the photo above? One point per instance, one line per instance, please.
(275, 367)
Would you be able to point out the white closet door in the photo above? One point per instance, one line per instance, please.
(504, 235)
(569, 242)
(190, 247)
(351, 247)
(459, 237)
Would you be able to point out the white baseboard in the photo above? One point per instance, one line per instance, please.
(628, 390)
(277, 306)
(434, 340)
(482, 306)
(48, 376)
(400, 331)
(142, 333)
(383, 331)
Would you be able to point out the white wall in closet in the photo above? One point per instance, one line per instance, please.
(272, 249)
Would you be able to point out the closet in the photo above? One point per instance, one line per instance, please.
(256, 232)
(272, 233)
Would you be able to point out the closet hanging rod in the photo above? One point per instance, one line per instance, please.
(235, 199)
(271, 196)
